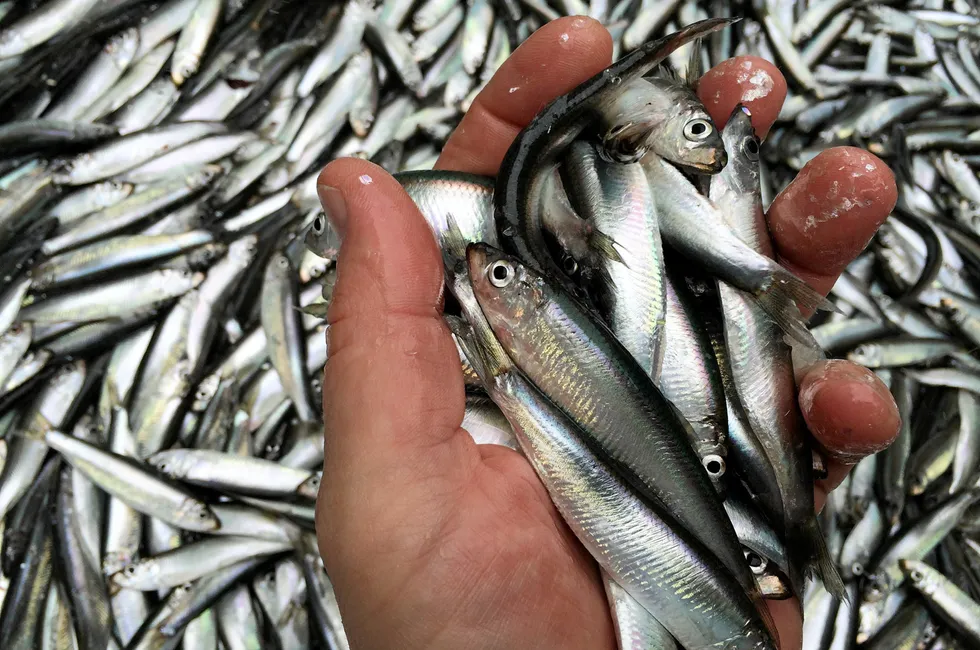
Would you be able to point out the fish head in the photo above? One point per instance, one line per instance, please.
(117, 188)
(243, 250)
(692, 142)
(918, 574)
(917, 485)
(202, 177)
(196, 515)
(116, 561)
(506, 289)
(665, 117)
(877, 587)
(204, 256)
(280, 267)
(322, 239)
(742, 146)
(135, 574)
(866, 354)
(172, 462)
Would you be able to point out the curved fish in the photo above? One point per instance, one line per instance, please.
(538, 146)
(761, 363)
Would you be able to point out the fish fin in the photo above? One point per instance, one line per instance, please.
(466, 338)
(787, 317)
(481, 348)
(805, 296)
(316, 309)
(813, 545)
(694, 71)
(453, 247)
(605, 246)
(33, 428)
(785, 298)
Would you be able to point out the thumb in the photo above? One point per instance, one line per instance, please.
(393, 390)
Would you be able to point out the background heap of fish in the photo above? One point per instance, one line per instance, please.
(165, 267)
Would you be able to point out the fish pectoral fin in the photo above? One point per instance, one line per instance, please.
(317, 309)
(605, 246)
(453, 241)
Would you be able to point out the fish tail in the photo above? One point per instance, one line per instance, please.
(605, 246)
(785, 298)
(812, 547)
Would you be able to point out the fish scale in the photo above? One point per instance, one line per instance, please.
(150, 262)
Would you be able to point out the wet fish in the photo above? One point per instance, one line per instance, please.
(565, 464)
(196, 132)
(612, 419)
(761, 363)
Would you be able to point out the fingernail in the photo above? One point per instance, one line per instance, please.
(848, 409)
(334, 207)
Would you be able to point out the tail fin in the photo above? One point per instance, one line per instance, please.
(812, 548)
(784, 300)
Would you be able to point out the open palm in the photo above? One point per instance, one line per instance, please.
(433, 541)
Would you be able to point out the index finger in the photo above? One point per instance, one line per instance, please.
(555, 59)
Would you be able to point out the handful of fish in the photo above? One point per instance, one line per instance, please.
(619, 315)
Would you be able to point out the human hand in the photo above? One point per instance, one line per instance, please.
(432, 541)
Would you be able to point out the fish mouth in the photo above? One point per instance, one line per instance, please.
(712, 166)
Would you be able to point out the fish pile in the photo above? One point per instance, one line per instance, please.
(166, 268)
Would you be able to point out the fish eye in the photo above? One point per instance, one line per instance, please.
(570, 265)
(697, 130)
(756, 562)
(715, 465)
(318, 224)
(916, 576)
(130, 570)
(751, 148)
(501, 273)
